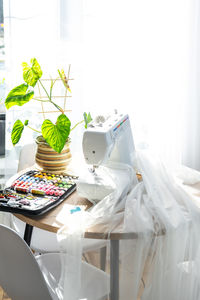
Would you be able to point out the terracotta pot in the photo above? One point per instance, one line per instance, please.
(50, 160)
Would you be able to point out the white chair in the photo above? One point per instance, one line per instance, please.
(27, 156)
(24, 276)
(43, 241)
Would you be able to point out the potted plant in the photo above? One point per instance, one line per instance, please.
(53, 139)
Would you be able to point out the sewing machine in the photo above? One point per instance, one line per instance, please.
(107, 141)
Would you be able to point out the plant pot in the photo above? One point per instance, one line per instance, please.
(50, 160)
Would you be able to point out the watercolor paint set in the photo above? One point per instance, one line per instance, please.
(36, 192)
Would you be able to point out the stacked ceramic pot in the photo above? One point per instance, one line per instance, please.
(50, 160)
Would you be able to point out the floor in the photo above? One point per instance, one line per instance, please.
(3, 295)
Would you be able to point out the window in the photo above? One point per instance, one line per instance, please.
(2, 56)
(2, 46)
(2, 84)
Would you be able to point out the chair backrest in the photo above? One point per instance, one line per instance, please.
(20, 275)
(27, 156)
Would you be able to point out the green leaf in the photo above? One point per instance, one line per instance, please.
(56, 135)
(87, 119)
(32, 73)
(18, 96)
(26, 122)
(64, 79)
(16, 133)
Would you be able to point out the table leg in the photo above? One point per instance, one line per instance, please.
(28, 234)
(114, 269)
(103, 258)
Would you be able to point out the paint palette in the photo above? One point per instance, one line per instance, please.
(35, 192)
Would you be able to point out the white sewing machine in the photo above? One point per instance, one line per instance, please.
(107, 141)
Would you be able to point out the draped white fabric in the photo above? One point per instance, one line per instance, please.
(161, 221)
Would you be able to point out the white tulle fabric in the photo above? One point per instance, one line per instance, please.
(162, 263)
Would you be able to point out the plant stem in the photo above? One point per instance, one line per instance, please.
(33, 129)
(58, 107)
(50, 100)
(44, 89)
(77, 125)
(52, 84)
(40, 100)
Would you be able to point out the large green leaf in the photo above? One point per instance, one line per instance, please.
(32, 73)
(18, 96)
(17, 130)
(56, 135)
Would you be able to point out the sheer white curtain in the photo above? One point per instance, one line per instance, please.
(136, 57)
(36, 29)
(141, 57)
(191, 129)
(27, 34)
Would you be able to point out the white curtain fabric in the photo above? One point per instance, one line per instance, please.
(139, 52)
(160, 215)
(31, 30)
(140, 57)
(191, 141)
(35, 29)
